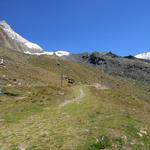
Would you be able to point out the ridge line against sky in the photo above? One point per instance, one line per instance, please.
(120, 26)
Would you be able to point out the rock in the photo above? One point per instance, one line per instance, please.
(19, 83)
(71, 81)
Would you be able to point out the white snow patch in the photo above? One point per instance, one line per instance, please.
(62, 53)
(57, 53)
(32, 45)
(48, 53)
(143, 56)
(38, 54)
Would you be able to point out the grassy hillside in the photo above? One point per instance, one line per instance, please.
(98, 111)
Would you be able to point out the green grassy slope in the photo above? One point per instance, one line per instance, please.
(32, 117)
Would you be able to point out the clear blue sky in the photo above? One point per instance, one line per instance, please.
(120, 26)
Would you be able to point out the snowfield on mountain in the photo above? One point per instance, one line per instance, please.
(144, 56)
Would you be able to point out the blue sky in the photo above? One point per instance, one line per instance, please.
(120, 26)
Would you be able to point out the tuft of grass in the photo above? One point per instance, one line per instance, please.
(101, 143)
(131, 130)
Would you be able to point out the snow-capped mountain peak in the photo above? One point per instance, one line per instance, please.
(18, 38)
(143, 56)
(17, 42)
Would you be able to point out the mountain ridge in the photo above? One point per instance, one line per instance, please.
(9, 38)
(128, 67)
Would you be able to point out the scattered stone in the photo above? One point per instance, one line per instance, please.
(2, 61)
(15, 80)
(58, 64)
(21, 97)
(99, 86)
(143, 131)
(19, 83)
(61, 93)
(22, 147)
(125, 139)
(71, 81)
(86, 130)
(2, 120)
(140, 134)
(4, 76)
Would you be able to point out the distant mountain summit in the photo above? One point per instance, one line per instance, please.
(9, 38)
(144, 56)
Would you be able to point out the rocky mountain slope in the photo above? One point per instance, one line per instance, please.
(127, 67)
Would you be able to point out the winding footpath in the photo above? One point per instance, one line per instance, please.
(76, 99)
(82, 94)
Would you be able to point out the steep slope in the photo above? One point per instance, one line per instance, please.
(10, 39)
